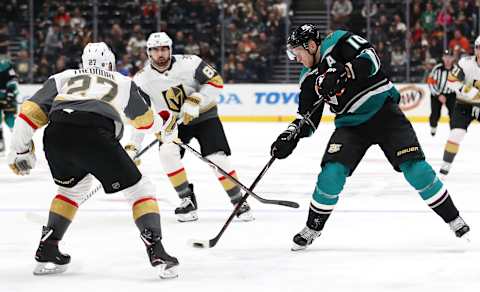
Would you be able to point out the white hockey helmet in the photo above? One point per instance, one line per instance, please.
(477, 42)
(159, 39)
(98, 55)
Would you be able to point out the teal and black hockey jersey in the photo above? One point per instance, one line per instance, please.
(8, 79)
(364, 94)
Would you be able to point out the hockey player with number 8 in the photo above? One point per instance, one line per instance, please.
(188, 88)
(344, 71)
(82, 108)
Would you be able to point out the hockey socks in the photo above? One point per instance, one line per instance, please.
(421, 176)
(451, 149)
(330, 183)
(62, 212)
(179, 181)
(147, 215)
(232, 190)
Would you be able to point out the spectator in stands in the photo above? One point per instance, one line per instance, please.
(137, 41)
(43, 70)
(192, 47)
(62, 17)
(341, 10)
(461, 41)
(53, 43)
(116, 40)
(77, 21)
(180, 42)
(435, 48)
(399, 56)
(370, 9)
(428, 18)
(22, 66)
(444, 16)
(60, 64)
(397, 30)
(241, 75)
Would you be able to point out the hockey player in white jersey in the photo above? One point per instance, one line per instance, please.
(465, 80)
(188, 87)
(83, 110)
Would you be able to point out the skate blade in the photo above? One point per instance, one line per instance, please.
(245, 217)
(167, 273)
(49, 269)
(192, 216)
(296, 247)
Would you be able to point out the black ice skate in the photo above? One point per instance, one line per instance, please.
(304, 238)
(460, 228)
(244, 213)
(166, 264)
(50, 259)
(445, 169)
(187, 211)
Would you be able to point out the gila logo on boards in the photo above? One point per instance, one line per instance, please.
(407, 150)
(410, 97)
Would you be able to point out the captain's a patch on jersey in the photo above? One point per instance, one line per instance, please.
(334, 148)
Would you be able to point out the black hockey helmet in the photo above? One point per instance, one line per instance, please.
(300, 37)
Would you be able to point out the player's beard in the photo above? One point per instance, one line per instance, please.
(161, 63)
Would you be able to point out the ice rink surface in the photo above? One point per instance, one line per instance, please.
(381, 236)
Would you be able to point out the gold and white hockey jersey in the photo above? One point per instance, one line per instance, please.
(92, 90)
(188, 75)
(464, 78)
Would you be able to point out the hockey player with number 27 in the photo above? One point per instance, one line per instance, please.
(82, 108)
(187, 87)
(345, 72)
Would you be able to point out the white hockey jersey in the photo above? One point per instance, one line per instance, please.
(187, 74)
(107, 93)
(464, 78)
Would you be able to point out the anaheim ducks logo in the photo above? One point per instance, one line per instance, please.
(174, 97)
(411, 96)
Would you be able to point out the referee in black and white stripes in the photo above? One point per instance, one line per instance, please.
(440, 93)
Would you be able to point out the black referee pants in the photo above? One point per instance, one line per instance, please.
(436, 107)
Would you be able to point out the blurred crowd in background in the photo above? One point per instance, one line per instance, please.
(254, 32)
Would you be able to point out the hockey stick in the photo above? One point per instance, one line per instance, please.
(99, 186)
(233, 179)
(212, 242)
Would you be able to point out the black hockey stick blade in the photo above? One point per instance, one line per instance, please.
(212, 242)
(238, 183)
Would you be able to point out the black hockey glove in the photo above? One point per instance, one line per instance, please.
(333, 81)
(285, 143)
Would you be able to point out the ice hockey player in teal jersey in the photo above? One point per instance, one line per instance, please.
(8, 94)
(344, 72)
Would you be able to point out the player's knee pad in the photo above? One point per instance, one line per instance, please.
(422, 177)
(330, 183)
(457, 135)
(144, 188)
(220, 159)
(170, 157)
(78, 192)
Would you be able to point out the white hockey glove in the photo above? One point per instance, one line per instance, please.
(22, 162)
(476, 112)
(132, 151)
(191, 108)
(469, 94)
(169, 130)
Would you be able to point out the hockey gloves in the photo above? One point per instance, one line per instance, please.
(22, 162)
(332, 82)
(285, 143)
(132, 151)
(191, 108)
